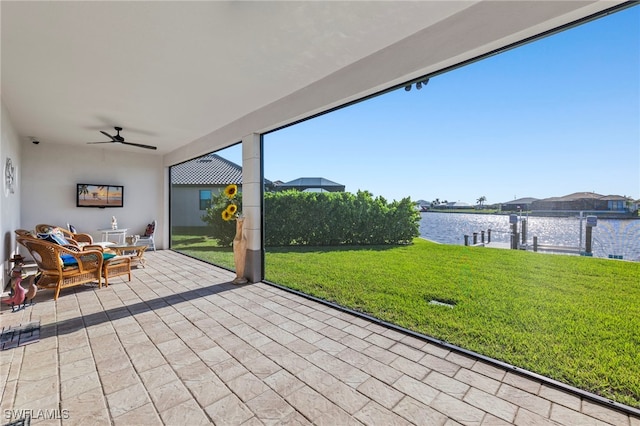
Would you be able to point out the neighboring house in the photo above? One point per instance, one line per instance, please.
(193, 184)
(455, 205)
(587, 202)
(311, 184)
(459, 205)
(521, 204)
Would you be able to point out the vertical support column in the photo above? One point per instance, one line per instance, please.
(591, 222)
(513, 220)
(252, 205)
(589, 240)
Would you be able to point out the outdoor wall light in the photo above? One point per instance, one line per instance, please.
(422, 83)
(419, 84)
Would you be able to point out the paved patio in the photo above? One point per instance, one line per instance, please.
(180, 345)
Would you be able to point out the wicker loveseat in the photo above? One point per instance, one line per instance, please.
(63, 267)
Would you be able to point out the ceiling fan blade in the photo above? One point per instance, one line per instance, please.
(113, 138)
(138, 145)
(101, 142)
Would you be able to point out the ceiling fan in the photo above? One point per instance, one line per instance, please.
(119, 139)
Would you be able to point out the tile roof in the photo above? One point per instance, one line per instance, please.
(586, 195)
(312, 182)
(210, 169)
(526, 200)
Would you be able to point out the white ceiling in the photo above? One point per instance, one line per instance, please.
(189, 77)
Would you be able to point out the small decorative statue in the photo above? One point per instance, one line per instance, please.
(114, 223)
(18, 293)
(33, 289)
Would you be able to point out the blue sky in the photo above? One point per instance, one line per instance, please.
(553, 117)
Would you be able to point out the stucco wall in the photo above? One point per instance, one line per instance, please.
(9, 203)
(51, 173)
(185, 205)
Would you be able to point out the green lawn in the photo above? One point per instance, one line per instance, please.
(573, 319)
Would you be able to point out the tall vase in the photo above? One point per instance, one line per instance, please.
(240, 252)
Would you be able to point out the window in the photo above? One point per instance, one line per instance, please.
(205, 198)
(616, 205)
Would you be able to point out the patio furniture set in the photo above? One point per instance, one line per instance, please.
(65, 259)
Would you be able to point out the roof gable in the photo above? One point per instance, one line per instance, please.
(312, 182)
(210, 169)
(525, 200)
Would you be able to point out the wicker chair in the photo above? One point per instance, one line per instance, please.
(24, 233)
(55, 275)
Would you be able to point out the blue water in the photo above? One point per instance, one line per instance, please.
(610, 236)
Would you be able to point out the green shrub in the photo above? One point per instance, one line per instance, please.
(323, 219)
(337, 218)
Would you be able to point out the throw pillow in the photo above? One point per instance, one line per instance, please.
(54, 238)
(149, 231)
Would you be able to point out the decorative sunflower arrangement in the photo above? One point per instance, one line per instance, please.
(231, 212)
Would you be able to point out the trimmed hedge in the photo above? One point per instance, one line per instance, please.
(337, 218)
(325, 219)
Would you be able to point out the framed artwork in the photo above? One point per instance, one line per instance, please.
(96, 195)
(9, 177)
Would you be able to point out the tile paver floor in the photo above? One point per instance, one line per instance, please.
(180, 345)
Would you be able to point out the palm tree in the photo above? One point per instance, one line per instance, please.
(481, 200)
(83, 190)
(102, 187)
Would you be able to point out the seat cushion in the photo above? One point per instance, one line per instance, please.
(70, 260)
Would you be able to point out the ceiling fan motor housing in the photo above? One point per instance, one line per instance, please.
(117, 136)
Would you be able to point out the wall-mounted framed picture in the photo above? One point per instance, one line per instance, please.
(101, 196)
(9, 177)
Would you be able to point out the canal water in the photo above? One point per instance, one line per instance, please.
(611, 237)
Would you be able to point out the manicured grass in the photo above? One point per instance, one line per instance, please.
(573, 319)
(204, 248)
